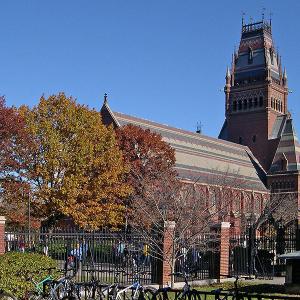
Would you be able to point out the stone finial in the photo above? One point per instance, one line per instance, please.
(227, 73)
(105, 98)
(284, 74)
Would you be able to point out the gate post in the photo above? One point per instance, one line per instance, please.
(168, 240)
(224, 249)
(2, 235)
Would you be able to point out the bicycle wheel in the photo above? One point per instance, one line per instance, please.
(6, 296)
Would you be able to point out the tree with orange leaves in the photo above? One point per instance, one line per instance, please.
(78, 169)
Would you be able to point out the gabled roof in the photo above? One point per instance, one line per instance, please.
(198, 157)
(287, 155)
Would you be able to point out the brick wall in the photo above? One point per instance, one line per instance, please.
(2, 235)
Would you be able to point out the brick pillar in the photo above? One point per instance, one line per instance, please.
(2, 235)
(169, 227)
(224, 249)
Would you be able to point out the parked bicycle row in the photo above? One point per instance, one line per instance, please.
(67, 288)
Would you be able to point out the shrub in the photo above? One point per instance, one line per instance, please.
(16, 268)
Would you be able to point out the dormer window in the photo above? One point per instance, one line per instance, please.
(250, 55)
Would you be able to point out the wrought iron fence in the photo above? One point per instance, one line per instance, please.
(106, 252)
(202, 260)
(257, 253)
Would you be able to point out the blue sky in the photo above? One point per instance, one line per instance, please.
(163, 60)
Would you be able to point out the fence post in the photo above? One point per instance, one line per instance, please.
(2, 235)
(224, 249)
(169, 227)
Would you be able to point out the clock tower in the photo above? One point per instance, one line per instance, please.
(256, 94)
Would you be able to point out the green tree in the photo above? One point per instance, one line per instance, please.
(78, 169)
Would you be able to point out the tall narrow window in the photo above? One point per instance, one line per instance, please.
(261, 101)
(250, 56)
(255, 102)
(240, 140)
(240, 105)
(250, 104)
(271, 55)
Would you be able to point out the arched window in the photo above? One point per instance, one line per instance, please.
(213, 199)
(255, 102)
(240, 105)
(240, 140)
(250, 104)
(261, 101)
(245, 104)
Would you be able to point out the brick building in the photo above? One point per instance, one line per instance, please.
(257, 143)
(256, 109)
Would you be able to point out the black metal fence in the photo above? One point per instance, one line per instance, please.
(106, 252)
(257, 252)
(202, 261)
(115, 256)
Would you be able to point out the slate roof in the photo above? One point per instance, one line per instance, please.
(287, 155)
(199, 157)
(258, 38)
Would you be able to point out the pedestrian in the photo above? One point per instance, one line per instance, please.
(21, 245)
(45, 248)
(146, 254)
(77, 255)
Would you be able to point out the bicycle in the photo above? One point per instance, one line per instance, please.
(48, 288)
(92, 289)
(186, 292)
(136, 291)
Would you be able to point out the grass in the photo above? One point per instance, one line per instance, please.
(251, 287)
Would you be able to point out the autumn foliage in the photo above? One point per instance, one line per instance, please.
(78, 170)
(149, 157)
(16, 149)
